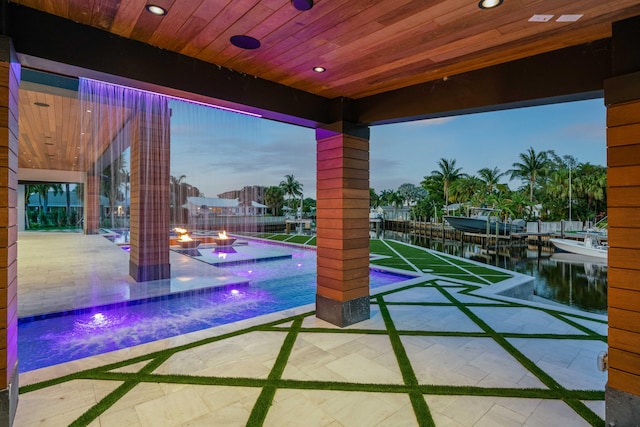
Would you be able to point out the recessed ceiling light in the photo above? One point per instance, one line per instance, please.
(245, 42)
(319, 69)
(489, 4)
(302, 5)
(88, 110)
(41, 104)
(569, 18)
(540, 18)
(156, 10)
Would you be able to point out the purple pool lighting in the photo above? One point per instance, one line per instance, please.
(273, 286)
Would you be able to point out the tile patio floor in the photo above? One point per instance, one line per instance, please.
(441, 351)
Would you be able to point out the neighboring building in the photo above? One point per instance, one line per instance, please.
(204, 206)
(249, 192)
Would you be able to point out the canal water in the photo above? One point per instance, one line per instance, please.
(566, 279)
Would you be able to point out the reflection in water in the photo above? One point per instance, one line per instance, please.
(567, 279)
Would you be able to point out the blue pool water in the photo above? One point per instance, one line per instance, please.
(273, 286)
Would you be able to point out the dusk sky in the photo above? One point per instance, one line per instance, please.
(220, 151)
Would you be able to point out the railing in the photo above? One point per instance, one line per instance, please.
(238, 223)
(555, 227)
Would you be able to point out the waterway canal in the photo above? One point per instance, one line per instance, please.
(577, 282)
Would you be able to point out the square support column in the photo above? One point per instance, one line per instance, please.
(9, 84)
(342, 295)
(622, 98)
(623, 195)
(149, 233)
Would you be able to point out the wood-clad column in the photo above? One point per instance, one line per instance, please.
(622, 97)
(149, 238)
(9, 83)
(91, 203)
(342, 296)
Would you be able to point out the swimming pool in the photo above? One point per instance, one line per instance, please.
(268, 287)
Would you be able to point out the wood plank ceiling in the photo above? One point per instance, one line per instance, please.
(368, 47)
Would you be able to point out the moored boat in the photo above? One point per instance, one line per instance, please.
(590, 246)
(481, 220)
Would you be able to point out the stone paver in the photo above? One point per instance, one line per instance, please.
(427, 355)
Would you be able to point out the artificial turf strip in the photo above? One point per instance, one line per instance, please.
(577, 325)
(265, 400)
(280, 237)
(579, 407)
(104, 404)
(416, 392)
(420, 407)
(298, 239)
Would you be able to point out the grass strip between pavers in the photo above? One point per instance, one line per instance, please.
(577, 325)
(265, 400)
(420, 407)
(580, 408)
(411, 386)
(107, 402)
(166, 353)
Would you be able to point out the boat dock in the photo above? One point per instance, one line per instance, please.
(536, 233)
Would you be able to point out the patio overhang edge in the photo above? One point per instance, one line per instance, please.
(564, 75)
(49, 43)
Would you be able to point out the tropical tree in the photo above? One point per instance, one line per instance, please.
(593, 186)
(27, 196)
(519, 205)
(43, 197)
(411, 194)
(274, 198)
(374, 199)
(291, 188)
(490, 178)
(386, 197)
(446, 174)
(530, 166)
(175, 196)
(110, 184)
(467, 189)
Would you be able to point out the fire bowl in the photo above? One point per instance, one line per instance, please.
(189, 244)
(223, 242)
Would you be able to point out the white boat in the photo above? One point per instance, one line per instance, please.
(590, 246)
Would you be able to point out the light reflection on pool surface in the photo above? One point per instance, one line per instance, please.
(274, 286)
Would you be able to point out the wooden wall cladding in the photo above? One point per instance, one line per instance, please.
(623, 179)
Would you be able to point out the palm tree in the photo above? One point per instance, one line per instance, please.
(593, 184)
(531, 165)
(43, 196)
(110, 182)
(27, 196)
(447, 173)
(68, 200)
(374, 199)
(291, 188)
(466, 189)
(490, 178)
(274, 198)
(519, 205)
